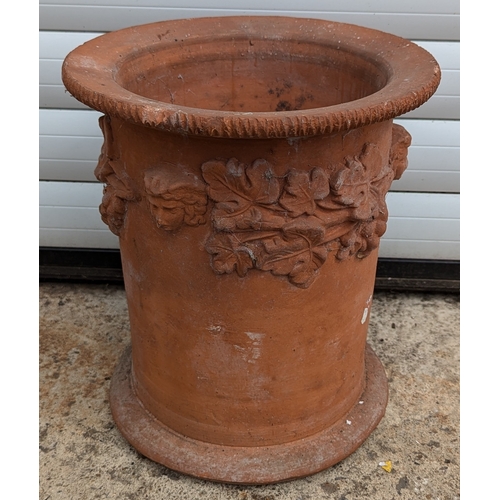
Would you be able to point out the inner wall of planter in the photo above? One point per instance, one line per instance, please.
(251, 75)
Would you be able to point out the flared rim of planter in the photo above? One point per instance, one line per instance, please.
(407, 75)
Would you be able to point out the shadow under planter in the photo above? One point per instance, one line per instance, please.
(245, 166)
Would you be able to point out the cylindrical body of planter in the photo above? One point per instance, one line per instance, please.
(246, 162)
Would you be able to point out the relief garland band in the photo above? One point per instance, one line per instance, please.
(289, 229)
(285, 225)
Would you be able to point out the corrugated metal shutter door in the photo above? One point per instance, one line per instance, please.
(424, 205)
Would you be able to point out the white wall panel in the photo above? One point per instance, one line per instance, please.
(438, 107)
(423, 19)
(77, 238)
(396, 6)
(422, 226)
(419, 249)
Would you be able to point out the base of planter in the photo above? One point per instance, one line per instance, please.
(247, 465)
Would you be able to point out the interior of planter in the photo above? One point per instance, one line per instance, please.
(251, 75)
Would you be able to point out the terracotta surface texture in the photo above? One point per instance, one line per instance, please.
(245, 166)
(84, 330)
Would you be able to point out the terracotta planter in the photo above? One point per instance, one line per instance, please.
(245, 162)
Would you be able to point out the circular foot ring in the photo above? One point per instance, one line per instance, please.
(247, 465)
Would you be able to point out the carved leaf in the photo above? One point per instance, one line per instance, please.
(237, 189)
(351, 188)
(379, 184)
(298, 252)
(302, 189)
(371, 232)
(361, 240)
(228, 254)
(378, 192)
(353, 184)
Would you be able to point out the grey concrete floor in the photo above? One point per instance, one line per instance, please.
(84, 329)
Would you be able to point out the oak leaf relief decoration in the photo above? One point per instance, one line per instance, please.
(245, 196)
(303, 190)
(298, 252)
(228, 254)
(288, 225)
